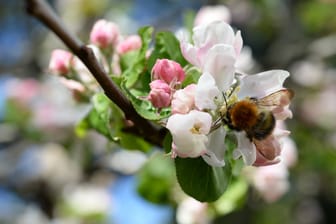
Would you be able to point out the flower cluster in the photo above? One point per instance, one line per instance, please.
(196, 89)
(222, 101)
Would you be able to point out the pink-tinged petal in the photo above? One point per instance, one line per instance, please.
(262, 84)
(278, 132)
(184, 100)
(206, 92)
(104, 33)
(214, 156)
(263, 161)
(131, 43)
(219, 62)
(268, 147)
(207, 36)
(245, 148)
(238, 43)
(60, 62)
(190, 53)
(282, 113)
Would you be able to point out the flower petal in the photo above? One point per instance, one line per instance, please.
(245, 148)
(219, 62)
(216, 148)
(262, 84)
(206, 92)
(217, 32)
(190, 53)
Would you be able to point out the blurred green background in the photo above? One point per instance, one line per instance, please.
(49, 175)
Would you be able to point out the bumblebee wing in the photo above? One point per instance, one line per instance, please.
(279, 98)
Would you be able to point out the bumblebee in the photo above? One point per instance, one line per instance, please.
(254, 116)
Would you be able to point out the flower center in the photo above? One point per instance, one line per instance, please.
(196, 129)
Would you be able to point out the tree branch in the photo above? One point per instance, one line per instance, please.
(43, 12)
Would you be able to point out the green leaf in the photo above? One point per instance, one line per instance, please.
(203, 182)
(192, 76)
(156, 179)
(107, 119)
(166, 46)
(93, 120)
(167, 142)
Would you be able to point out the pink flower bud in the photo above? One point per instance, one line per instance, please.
(131, 43)
(160, 94)
(104, 33)
(184, 100)
(168, 71)
(60, 61)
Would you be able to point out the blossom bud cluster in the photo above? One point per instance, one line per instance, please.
(107, 44)
(167, 75)
(106, 35)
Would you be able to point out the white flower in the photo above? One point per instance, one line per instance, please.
(191, 137)
(189, 133)
(215, 50)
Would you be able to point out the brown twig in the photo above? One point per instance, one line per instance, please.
(43, 12)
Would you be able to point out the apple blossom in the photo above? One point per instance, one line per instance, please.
(131, 43)
(168, 70)
(104, 33)
(160, 94)
(189, 133)
(215, 50)
(60, 62)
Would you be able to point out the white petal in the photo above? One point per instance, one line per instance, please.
(238, 43)
(214, 33)
(211, 159)
(245, 148)
(262, 84)
(219, 62)
(206, 92)
(216, 148)
(190, 53)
